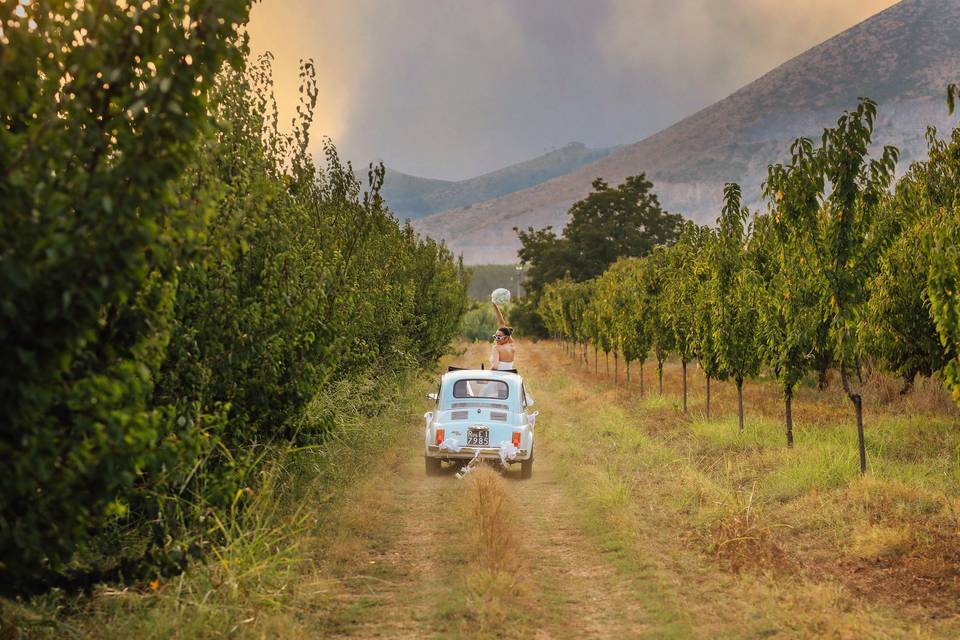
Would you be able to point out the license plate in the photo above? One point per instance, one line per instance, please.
(478, 438)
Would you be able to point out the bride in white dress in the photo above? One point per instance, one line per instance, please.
(503, 353)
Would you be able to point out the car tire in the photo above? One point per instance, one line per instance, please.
(432, 466)
(526, 468)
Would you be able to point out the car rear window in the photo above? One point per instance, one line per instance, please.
(489, 389)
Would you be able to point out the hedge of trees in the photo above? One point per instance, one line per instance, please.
(846, 266)
(179, 280)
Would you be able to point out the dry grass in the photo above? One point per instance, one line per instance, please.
(491, 518)
(874, 556)
(744, 540)
(496, 581)
(879, 542)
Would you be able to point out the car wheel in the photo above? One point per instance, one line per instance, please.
(526, 468)
(432, 466)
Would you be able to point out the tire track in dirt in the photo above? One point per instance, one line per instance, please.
(581, 593)
(578, 590)
(400, 580)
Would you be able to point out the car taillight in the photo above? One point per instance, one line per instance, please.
(439, 436)
(516, 439)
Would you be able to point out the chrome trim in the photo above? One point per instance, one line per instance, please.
(480, 405)
(487, 453)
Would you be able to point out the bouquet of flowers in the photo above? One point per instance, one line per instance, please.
(500, 297)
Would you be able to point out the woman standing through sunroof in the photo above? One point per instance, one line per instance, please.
(503, 354)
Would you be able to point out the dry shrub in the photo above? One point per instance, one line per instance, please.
(930, 396)
(578, 394)
(927, 396)
(741, 541)
(881, 389)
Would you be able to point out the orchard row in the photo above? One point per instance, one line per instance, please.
(180, 282)
(847, 265)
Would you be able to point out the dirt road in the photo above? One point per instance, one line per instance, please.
(601, 543)
(414, 575)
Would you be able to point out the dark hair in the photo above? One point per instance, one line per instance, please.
(507, 331)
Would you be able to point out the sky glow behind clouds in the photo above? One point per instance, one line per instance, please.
(454, 88)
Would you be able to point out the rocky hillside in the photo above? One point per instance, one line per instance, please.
(413, 197)
(902, 57)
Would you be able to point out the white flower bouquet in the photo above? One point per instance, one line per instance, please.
(500, 297)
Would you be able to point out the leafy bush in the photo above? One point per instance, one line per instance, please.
(101, 108)
(479, 323)
(180, 293)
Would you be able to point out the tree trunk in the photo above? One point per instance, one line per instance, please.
(616, 368)
(641, 378)
(822, 378)
(628, 373)
(708, 396)
(907, 383)
(606, 362)
(660, 374)
(788, 405)
(740, 401)
(684, 365)
(857, 401)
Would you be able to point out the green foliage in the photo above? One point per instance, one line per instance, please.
(897, 327)
(681, 289)
(786, 302)
(610, 223)
(838, 270)
(840, 232)
(908, 331)
(479, 323)
(525, 320)
(180, 292)
(653, 281)
(615, 222)
(944, 291)
(832, 208)
(101, 108)
(732, 293)
(634, 312)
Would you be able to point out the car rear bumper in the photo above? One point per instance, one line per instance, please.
(466, 453)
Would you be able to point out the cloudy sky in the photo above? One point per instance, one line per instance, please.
(454, 88)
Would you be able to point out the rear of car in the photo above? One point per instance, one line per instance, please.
(480, 414)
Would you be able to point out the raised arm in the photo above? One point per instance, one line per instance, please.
(500, 320)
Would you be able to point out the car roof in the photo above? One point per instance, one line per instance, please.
(481, 374)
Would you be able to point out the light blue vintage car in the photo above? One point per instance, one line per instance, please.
(480, 415)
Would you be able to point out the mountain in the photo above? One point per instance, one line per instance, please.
(413, 197)
(903, 58)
